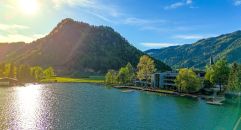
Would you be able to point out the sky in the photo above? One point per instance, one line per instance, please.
(146, 24)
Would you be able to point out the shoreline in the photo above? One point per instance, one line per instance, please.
(209, 99)
(169, 92)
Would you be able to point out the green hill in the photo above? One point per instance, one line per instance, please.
(74, 48)
(197, 55)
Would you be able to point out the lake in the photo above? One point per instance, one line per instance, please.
(90, 106)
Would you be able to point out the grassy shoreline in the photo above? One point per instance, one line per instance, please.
(93, 79)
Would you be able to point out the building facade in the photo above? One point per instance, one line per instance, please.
(166, 80)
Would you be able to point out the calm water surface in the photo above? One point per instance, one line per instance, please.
(90, 106)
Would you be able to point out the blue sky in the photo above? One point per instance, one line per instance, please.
(144, 23)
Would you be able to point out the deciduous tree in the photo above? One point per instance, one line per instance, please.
(37, 73)
(146, 67)
(187, 81)
(218, 73)
(49, 72)
(111, 77)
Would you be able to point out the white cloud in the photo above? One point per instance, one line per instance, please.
(7, 27)
(237, 2)
(175, 5)
(94, 7)
(138, 21)
(179, 4)
(189, 2)
(59, 3)
(187, 37)
(19, 38)
(193, 36)
(158, 45)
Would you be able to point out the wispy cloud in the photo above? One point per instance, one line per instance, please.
(138, 21)
(146, 24)
(60, 3)
(237, 2)
(179, 4)
(193, 36)
(188, 37)
(19, 38)
(93, 7)
(6, 27)
(158, 44)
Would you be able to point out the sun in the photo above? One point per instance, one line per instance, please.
(28, 6)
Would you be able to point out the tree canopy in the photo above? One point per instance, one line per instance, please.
(234, 82)
(187, 81)
(25, 73)
(218, 73)
(145, 68)
(111, 77)
(123, 76)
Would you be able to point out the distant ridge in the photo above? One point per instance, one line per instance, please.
(197, 55)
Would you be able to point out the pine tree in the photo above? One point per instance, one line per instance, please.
(2, 70)
(234, 81)
(12, 71)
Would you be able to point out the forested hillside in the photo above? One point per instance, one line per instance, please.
(197, 55)
(74, 48)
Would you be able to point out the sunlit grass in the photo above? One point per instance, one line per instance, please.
(91, 79)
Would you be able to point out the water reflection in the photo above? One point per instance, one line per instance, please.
(87, 106)
(27, 106)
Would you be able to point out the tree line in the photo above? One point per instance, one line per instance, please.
(25, 73)
(126, 74)
(224, 75)
(218, 74)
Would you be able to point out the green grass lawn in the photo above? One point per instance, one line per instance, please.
(90, 79)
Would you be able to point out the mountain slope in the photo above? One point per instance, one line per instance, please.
(197, 54)
(76, 47)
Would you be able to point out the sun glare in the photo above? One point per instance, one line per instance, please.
(28, 6)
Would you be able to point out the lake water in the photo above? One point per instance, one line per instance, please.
(89, 106)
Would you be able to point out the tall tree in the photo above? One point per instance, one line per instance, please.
(146, 67)
(111, 77)
(130, 72)
(49, 72)
(187, 81)
(12, 71)
(37, 73)
(2, 70)
(234, 81)
(209, 73)
(218, 73)
(24, 73)
(122, 75)
(7, 68)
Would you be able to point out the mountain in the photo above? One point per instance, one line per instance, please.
(197, 55)
(76, 48)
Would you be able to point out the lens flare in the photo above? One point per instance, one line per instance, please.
(28, 6)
